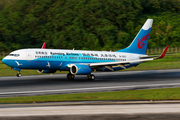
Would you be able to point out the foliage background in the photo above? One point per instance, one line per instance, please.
(86, 24)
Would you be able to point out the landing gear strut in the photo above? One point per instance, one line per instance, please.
(17, 69)
(70, 76)
(90, 77)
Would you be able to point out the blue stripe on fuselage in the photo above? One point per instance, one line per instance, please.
(58, 62)
(55, 63)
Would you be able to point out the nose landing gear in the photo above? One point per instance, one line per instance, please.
(17, 69)
(18, 74)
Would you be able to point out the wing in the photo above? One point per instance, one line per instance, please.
(118, 63)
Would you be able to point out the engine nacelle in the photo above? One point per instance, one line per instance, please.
(80, 70)
(46, 71)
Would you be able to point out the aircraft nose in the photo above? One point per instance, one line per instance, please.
(4, 61)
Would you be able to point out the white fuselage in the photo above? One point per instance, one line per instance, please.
(58, 59)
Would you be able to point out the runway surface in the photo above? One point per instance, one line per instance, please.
(91, 109)
(88, 112)
(105, 81)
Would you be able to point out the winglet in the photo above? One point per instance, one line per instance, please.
(163, 53)
(44, 45)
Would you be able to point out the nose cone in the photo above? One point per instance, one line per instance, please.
(4, 61)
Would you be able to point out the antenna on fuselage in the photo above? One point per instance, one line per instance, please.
(73, 48)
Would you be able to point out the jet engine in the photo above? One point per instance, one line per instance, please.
(80, 69)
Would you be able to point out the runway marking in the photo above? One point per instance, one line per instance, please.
(95, 88)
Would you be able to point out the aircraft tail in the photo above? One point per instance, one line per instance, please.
(140, 42)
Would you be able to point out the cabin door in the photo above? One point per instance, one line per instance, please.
(29, 57)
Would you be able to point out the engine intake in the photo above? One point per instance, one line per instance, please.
(80, 70)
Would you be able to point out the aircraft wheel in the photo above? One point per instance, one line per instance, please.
(90, 77)
(18, 75)
(70, 76)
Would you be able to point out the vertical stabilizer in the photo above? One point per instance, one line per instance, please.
(140, 42)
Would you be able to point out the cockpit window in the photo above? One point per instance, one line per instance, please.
(15, 55)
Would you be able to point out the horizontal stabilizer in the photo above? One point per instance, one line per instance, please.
(157, 56)
(163, 53)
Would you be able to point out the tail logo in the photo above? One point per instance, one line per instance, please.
(143, 40)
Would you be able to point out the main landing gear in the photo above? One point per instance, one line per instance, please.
(89, 77)
(70, 76)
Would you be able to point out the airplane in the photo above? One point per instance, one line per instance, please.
(83, 62)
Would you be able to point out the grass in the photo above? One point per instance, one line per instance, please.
(153, 94)
(169, 62)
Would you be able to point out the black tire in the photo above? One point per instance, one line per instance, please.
(90, 77)
(18, 75)
(70, 76)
